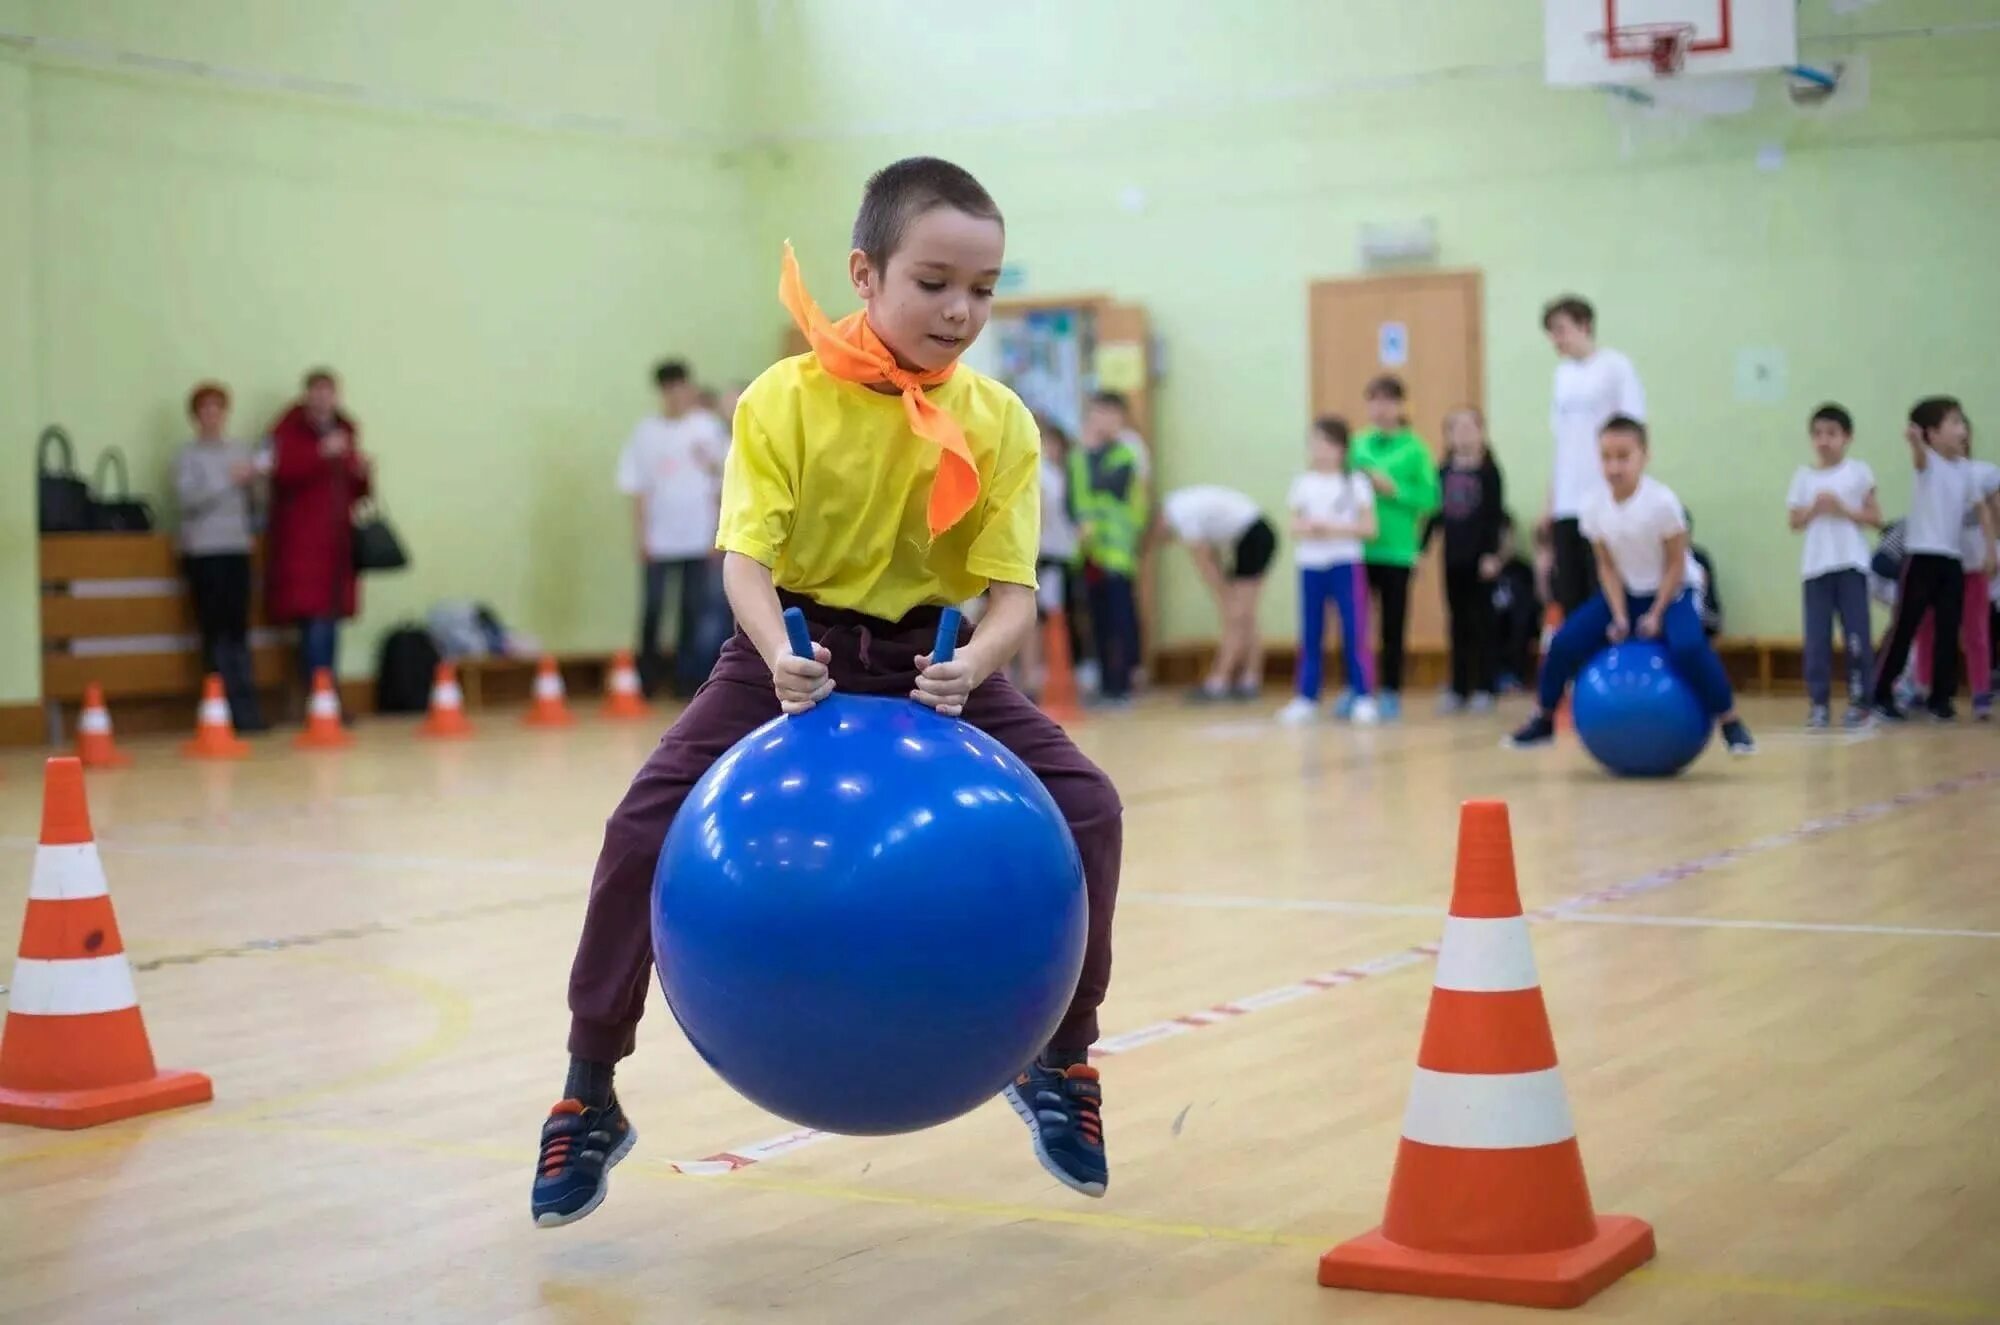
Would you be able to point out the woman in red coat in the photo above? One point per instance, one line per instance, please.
(317, 475)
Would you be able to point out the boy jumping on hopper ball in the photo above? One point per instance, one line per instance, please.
(872, 482)
(1640, 536)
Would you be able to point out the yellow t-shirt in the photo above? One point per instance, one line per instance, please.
(827, 486)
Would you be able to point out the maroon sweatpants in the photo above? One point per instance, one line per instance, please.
(614, 957)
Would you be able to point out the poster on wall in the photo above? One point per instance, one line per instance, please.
(1041, 355)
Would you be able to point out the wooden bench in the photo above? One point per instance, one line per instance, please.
(115, 611)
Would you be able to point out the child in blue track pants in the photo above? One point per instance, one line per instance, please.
(1640, 537)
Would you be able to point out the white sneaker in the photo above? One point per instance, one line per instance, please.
(1365, 713)
(1481, 702)
(1449, 703)
(1298, 711)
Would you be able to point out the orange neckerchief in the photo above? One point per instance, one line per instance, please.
(851, 351)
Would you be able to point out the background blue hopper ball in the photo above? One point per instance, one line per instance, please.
(1636, 715)
(868, 918)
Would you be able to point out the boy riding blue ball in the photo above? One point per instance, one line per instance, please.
(1638, 531)
(872, 483)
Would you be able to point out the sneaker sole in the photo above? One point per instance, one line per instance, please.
(1027, 1115)
(556, 1219)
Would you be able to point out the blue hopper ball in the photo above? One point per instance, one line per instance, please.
(1636, 715)
(868, 918)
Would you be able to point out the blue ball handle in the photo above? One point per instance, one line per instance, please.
(945, 647)
(947, 636)
(795, 630)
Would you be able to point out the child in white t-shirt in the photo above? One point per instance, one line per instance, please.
(1933, 567)
(1976, 553)
(1333, 515)
(1830, 502)
(1640, 539)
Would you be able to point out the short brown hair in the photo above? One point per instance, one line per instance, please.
(898, 194)
(319, 375)
(204, 393)
(1386, 387)
(1572, 306)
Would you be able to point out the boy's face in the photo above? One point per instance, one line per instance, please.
(1624, 459)
(1949, 438)
(1571, 338)
(931, 299)
(1829, 441)
(677, 398)
(1385, 412)
(1102, 422)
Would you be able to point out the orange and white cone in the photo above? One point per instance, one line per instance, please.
(447, 716)
(1059, 693)
(550, 706)
(214, 730)
(74, 1051)
(1488, 1200)
(95, 746)
(623, 699)
(323, 728)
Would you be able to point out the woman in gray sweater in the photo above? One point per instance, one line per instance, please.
(214, 478)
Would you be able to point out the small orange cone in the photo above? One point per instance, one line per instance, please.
(447, 716)
(1488, 1200)
(95, 746)
(623, 698)
(1059, 694)
(323, 728)
(550, 707)
(74, 1051)
(214, 730)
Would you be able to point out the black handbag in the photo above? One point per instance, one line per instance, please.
(124, 513)
(63, 497)
(376, 547)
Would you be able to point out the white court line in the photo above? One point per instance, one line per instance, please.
(1779, 926)
(1334, 906)
(739, 1157)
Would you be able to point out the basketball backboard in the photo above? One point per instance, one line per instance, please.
(1591, 42)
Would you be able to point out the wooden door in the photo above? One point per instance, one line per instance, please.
(1426, 329)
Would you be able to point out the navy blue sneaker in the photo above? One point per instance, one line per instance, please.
(1061, 1106)
(579, 1146)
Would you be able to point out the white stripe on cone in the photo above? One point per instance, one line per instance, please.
(447, 696)
(549, 686)
(624, 681)
(1486, 956)
(214, 712)
(66, 873)
(72, 988)
(1501, 1111)
(324, 705)
(94, 722)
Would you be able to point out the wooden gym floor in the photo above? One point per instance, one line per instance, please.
(1779, 1028)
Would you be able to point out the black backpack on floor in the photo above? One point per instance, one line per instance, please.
(403, 676)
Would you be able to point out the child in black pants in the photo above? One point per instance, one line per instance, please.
(1933, 579)
(1472, 517)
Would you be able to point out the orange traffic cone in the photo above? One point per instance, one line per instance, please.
(323, 728)
(214, 730)
(1059, 695)
(623, 698)
(74, 1051)
(95, 746)
(1488, 1200)
(447, 716)
(550, 707)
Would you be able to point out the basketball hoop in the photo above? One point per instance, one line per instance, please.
(1663, 45)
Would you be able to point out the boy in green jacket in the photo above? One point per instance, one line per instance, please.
(1404, 473)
